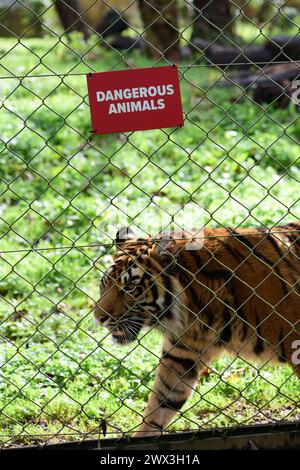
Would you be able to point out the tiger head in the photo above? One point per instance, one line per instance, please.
(141, 288)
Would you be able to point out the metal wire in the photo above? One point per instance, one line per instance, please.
(60, 377)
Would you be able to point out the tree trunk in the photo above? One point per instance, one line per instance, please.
(69, 14)
(213, 21)
(160, 20)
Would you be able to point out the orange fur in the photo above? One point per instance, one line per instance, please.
(239, 292)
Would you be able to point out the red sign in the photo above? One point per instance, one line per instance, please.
(135, 100)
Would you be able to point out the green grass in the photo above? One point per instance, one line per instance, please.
(60, 376)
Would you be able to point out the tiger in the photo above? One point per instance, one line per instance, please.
(238, 292)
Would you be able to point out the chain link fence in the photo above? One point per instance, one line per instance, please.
(66, 192)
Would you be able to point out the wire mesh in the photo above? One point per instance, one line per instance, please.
(64, 192)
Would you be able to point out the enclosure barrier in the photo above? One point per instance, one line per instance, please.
(66, 192)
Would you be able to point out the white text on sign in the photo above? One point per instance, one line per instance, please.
(134, 93)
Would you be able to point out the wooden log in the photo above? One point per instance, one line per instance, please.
(271, 84)
(284, 47)
(276, 73)
(222, 55)
(126, 42)
(279, 48)
(277, 93)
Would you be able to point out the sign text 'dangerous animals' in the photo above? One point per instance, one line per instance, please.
(137, 99)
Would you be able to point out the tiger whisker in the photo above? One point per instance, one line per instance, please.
(130, 320)
(132, 330)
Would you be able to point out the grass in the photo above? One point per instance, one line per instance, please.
(60, 376)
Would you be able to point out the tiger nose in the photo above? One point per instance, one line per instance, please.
(102, 319)
(100, 314)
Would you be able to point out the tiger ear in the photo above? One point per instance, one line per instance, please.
(166, 251)
(123, 235)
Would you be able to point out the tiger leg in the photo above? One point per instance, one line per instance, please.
(175, 380)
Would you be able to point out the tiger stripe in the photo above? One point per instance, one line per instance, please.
(238, 293)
